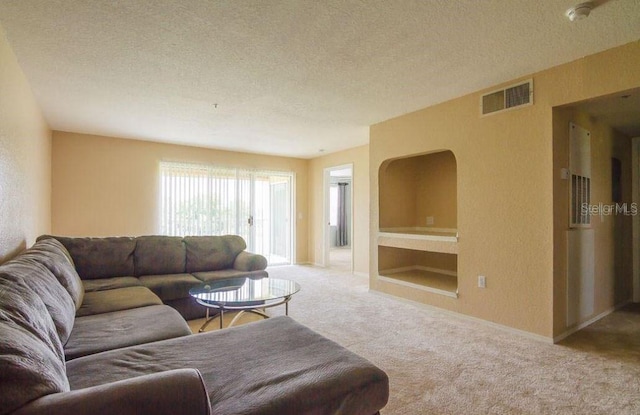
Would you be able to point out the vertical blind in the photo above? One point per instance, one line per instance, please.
(203, 199)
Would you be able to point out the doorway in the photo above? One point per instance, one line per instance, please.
(596, 233)
(338, 217)
(621, 112)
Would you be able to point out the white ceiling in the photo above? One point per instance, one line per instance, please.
(289, 77)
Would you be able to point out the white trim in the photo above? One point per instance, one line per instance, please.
(635, 198)
(422, 237)
(498, 326)
(418, 286)
(361, 274)
(588, 322)
(419, 229)
(326, 182)
(293, 239)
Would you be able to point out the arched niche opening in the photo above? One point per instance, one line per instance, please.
(419, 193)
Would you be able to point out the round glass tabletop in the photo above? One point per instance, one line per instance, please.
(243, 291)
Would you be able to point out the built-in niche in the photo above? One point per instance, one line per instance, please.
(418, 234)
(418, 194)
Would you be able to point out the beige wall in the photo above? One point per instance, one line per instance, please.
(25, 160)
(110, 186)
(612, 234)
(359, 157)
(505, 176)
(437, 195)
(398, 181)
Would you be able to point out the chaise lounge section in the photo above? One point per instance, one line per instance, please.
(144, 360)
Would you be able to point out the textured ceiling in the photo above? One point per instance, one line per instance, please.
(289, 77)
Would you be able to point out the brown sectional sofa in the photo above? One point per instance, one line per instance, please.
(168, 266)
(119, 350)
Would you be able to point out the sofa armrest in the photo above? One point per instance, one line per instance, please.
(179, 391)
(246, 261)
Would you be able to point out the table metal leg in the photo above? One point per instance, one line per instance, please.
(259, 311)
(286, 306)
(207, 321)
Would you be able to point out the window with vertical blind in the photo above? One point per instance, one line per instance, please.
(202, 199)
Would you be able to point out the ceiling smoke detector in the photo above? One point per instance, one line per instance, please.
(580, 11)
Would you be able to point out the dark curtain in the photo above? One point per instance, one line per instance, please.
(342, 238)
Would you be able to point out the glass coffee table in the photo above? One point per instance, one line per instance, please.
(247, 295)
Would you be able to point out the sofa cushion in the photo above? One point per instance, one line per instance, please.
(210, 253)
(22, 306)
(159, 255)
(275, 366)
(53, 255)
(228, 273)
(170, 286)
(97, 302)
(108, 331)
(64, 250)
(101, 284)
(29, 369)
(31, 357)
(57, 300)
(101, 257)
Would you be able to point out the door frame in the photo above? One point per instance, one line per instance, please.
(252, 231)
(326, 228)
(635, 198)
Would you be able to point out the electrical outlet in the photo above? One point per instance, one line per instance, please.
(482, 281)
(430, 220)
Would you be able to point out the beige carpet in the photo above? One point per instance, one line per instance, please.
(340, 259)
(439, 363)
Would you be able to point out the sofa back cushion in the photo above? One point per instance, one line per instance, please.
(156, 255)
(53, 255)
(31, 355)
(38, 278)
(30, 369)
(211, 253)
(24, 307)
(101, 257)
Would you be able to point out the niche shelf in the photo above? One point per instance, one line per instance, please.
(428, 271)
(445, 241)
(418, 236)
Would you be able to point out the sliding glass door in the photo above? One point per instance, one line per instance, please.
(268, 224)
(210, 200)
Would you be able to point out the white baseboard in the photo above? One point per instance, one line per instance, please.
(589, 322)
(361, 274)
(508, 329)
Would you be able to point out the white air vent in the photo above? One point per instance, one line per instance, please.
(508, 98)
